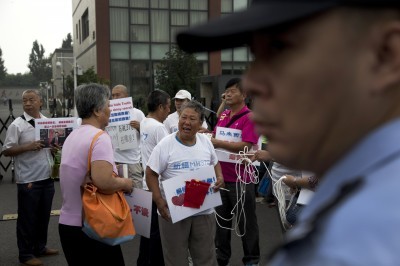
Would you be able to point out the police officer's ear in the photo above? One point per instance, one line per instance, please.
(386, 49)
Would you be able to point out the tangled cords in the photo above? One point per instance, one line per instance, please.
(250, 175)
(279, 192)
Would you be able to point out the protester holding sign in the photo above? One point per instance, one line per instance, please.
(236, 121)
(92, 104)
(152, 132)
(177, 154)
(35, 187)
(131, 157)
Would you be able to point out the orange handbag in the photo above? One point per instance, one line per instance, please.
(106, 217)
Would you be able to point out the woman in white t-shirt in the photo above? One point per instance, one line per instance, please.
(177, 154)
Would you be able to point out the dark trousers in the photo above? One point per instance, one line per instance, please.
(250, 241)
(34, 206)
(79, 249)
(150, 251)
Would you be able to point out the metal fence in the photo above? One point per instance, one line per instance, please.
(6, 163)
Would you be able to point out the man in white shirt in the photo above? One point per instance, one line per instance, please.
(35, 187)
(151, 133)
(171, 123)
(131, 157)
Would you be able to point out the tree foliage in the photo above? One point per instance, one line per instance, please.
(39, 65)
(178, 70)
(67, 42)
(19, 80)
(88, 76)
(3, 69)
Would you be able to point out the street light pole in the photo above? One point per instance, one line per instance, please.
(75, 67)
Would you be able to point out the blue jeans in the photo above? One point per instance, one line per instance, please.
(34, 206)
(250, 241)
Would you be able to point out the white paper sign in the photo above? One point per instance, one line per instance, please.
(121, 111)
(174, 190)
(232, 135)
(122, 135)
(54, 131)
(305, 196)
(140, 202)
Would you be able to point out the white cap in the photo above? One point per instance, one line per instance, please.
(183, 94)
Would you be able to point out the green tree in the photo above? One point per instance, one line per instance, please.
(3, 69)
(178, 70)
(67, 42)
(39, 65)
(88, 76)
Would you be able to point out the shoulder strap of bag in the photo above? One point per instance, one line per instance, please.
(236, 117)
(91, 148)
(32, 122)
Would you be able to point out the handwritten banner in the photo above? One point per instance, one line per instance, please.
(174, 189)
(123, 136)
(140, 202)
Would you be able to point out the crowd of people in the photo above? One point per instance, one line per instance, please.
(327, 104)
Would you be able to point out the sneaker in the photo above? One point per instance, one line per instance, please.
(32, 262)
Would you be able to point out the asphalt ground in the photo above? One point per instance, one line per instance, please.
(268, 222)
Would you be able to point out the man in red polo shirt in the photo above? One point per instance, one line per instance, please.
(237, 117)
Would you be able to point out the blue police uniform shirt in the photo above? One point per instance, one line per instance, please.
(353, 218)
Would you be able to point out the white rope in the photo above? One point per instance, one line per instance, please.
(250, 175)
(280, 195)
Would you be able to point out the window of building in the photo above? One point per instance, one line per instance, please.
(120, 73)
(119, 3)
(159, 4)
(79, 33)
(158, 51)
(239, 5)
(139, 3)
(198, 5)
(179, 4)
(159, 26)
(119, 24)
(140, 80)
(174, 31)
(226, 55)
(179, 18)
(85, 24)
(240, 54)
(226, 6)
(140, 33)
(198, 17)
(119, 50)
(140, 51)
(139, 16)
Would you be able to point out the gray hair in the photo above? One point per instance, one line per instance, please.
(90, 98)
(35, 91)
(196, 106)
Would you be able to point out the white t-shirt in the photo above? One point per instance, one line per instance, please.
(131, 156)
(151, 133)
(170, 158)
(171, 123)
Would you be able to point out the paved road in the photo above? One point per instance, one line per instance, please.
(268, 221)
(270, 234)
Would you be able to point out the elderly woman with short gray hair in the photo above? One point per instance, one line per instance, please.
(92, 103)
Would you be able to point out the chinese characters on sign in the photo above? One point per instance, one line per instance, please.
(54, 131)
(122, 135)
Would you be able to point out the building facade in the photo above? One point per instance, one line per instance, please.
(125, 40)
